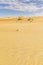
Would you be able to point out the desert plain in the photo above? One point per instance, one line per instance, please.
(21, 41)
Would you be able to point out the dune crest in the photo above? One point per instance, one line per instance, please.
(21, 19)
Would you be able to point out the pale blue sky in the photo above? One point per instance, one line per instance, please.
(21, 8)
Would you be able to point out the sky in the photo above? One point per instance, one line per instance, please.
(21, 8)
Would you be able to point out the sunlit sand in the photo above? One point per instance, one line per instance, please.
(21, 42)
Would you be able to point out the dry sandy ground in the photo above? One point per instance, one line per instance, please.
(21, 44)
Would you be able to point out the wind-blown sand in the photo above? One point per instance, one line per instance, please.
(21, 43)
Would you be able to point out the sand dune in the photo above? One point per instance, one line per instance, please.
(23, 19)
(21, 43)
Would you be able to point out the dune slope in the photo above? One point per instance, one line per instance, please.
(21, 44)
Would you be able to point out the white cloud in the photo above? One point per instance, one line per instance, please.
(16, 5)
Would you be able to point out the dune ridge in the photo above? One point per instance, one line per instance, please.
(23, 19)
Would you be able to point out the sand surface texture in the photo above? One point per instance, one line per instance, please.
(21, 43)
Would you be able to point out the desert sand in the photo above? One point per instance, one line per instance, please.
(21, 41)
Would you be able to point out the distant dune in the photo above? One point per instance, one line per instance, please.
(21, 19)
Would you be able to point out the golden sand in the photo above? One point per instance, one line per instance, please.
(21, 43)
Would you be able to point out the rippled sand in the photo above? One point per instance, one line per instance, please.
(21, 44)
